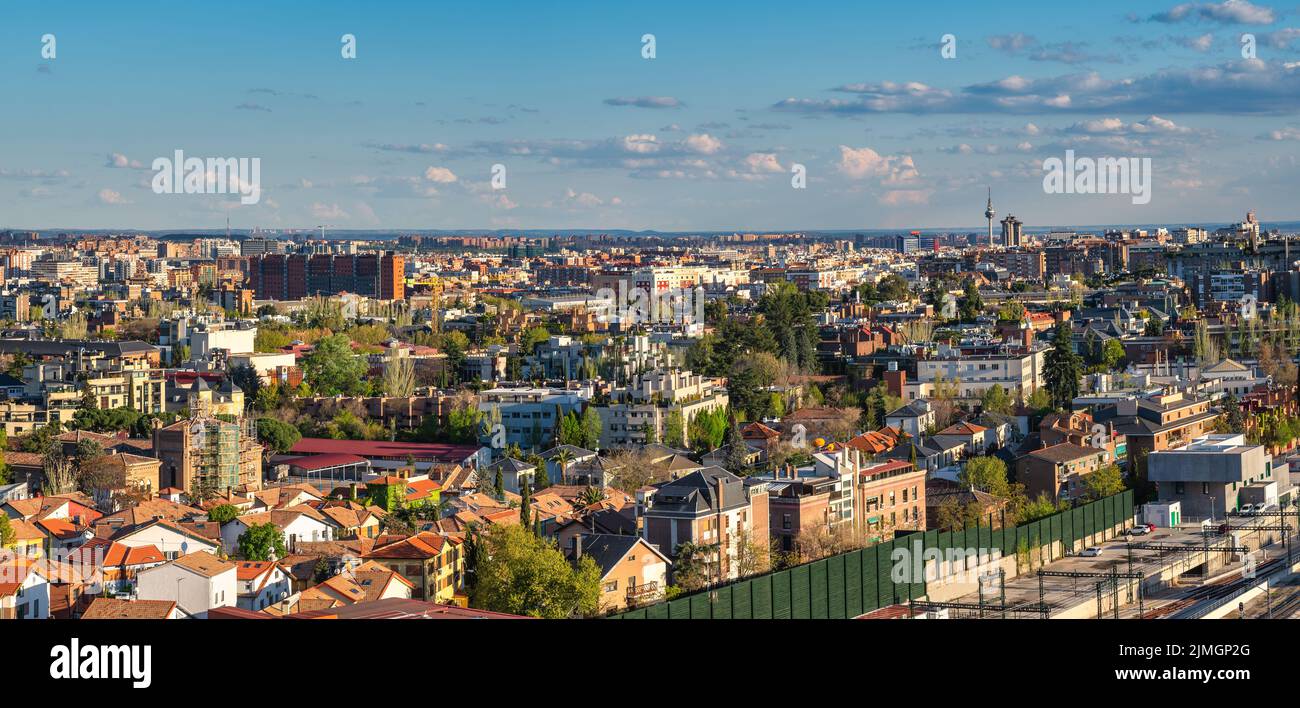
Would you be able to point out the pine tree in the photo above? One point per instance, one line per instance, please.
(737, 450)
(1063, 369)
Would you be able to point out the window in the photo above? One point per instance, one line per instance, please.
(611, 586)
(785, 522)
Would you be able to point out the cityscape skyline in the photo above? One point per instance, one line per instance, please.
(703, 137)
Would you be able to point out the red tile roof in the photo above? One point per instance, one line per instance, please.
(445, 452)
(320, 462)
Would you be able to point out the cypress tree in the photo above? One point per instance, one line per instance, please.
(526, 505)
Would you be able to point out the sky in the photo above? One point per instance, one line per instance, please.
(888, 131)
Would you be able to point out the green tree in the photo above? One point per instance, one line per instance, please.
(399, 375)
(246, 378)
(8, 537)
(1105, 482)
(1112, 354)
(1011, 311)
(222, 513)
(279, 437)
(707, 429)
(454, 345)
(691, 565)
(260, 541)
(971, 304)
(893, 287)
(1039, 508)
(1063, 369)
(591, 428)
(675, 429)
(987, 474)
(737, 450)
(518, 573)
(526, 505)
(995, 400)
(591, 495)
(333, 368)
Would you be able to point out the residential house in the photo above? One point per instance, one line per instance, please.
(298, 523)
(711, 508)
(433, 563)
(632, 572)
(261, 584)
(1058, 471)
(24, 590)
(196, 582)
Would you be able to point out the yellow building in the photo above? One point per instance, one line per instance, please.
(435, 564)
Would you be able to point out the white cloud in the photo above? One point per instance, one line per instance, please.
(441, 175)
(641, 144)
(108, 196)
(863, 163)
(328, 212)
(703, 143)
(1229, 12)
(119, 161)
(763, 162)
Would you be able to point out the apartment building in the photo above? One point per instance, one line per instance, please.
(650, 399)
(1059, 470)
(530, 415)
(711, 508)
(890, 496)
(1018, 370)
(1160, 422)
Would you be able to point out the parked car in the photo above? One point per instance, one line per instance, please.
(1139, 530)
(1091, 551)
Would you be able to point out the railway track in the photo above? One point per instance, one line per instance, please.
(1213, 591)
(1288, 607)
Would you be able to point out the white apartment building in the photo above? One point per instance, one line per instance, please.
(1019, 371)
(647, 402)
(528, 413)
(234, 337)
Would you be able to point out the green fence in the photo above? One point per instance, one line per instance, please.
(857, 582)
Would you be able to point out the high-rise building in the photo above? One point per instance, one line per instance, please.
(392, 277)
(294, 276)
(1012, 234)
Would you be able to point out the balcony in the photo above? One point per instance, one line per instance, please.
(644, 592)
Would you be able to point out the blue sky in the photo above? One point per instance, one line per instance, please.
(703, 137)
